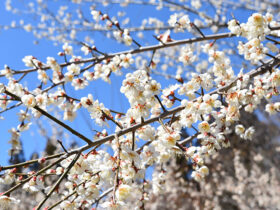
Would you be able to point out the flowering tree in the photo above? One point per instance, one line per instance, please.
(209, 82)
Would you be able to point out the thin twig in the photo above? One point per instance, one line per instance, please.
(116, 182)
(112, 119)
(199, 31)
(60, 142)
(58, 181)
(54, 119)
(163, 108)
(36, 174)
(133, 140)
(29, 162)
(136, 51)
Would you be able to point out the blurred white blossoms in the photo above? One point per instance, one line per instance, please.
(8, 177)
(200, 173)
(256, 27)
(180, 23)
(2, 88)
(95, 15)
(123, 192)
(53, 64)
(123, 36)
(246, 134)
(42, 76)
(74, 69)
(8, 202)
(273, 108)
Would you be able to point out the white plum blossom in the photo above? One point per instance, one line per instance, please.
(186, 56)
(248, 135)
(168, 95)
(95, 15)
(234, 27)
(23, 126)
(2, 88)
(140, 91)
(28, 100)
(74, 69)
(7, 72)
(123, 192)
(68, 49)
(6, 202)
(239, 129)
(31, 61)
(180, 22)
(42, 76)
(196, 4)
(126, 60)
(204, 127)
(200, 174)
(272, 108)
(8, 177)
(53, 64)
(79, 83)
(127, 38)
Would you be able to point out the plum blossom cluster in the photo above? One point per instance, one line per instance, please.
(123, 36)
(208, 108)
(187, 56)
(255, 30)
(74, 70)
(197, 82)
(140, 90)
(180, 22)
(168, 95)
(96, 109)
(246, 134)
(221, 69)
(120, 35)
(104, 70)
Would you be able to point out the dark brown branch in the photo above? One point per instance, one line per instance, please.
(112, 119)
(133, 140)
(199, 31)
